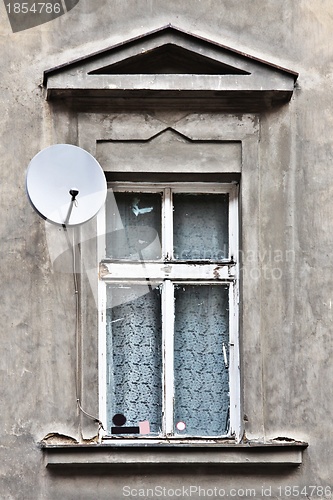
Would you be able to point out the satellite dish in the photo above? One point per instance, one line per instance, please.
(66, 184)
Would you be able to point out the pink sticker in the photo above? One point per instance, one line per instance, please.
(144, 427)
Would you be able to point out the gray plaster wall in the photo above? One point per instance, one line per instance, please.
(295, 203)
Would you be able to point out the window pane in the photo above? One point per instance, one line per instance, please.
(134, 340)
(133, 226)
(201, 226)
(201, 375)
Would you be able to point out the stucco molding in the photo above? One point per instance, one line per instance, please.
(171, 64)
(263, 454)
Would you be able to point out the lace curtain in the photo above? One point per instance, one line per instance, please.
(200, 226)
(201, 374)
(134, 343)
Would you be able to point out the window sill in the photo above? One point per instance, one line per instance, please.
(276, 452)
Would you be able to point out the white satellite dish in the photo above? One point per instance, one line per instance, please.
(66, 184)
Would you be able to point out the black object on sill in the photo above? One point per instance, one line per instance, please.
(119, 421)
(125, 430)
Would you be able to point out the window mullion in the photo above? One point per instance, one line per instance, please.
(168, 356)
(102, 358)
(167, 229)
(235, 422)
(233, 224)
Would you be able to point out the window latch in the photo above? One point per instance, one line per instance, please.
(225, 357)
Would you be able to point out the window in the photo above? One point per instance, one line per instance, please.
(169, 324)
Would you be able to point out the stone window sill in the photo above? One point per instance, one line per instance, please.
(274, 453)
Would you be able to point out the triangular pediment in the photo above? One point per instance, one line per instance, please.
(169, 59)
(172, 64)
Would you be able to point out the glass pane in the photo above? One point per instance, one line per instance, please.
(201, 226)
(134, 367)
(133, 226)
(201, 353)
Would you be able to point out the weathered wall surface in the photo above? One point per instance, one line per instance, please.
(37, 386)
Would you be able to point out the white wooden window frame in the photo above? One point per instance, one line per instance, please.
(223, 272)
